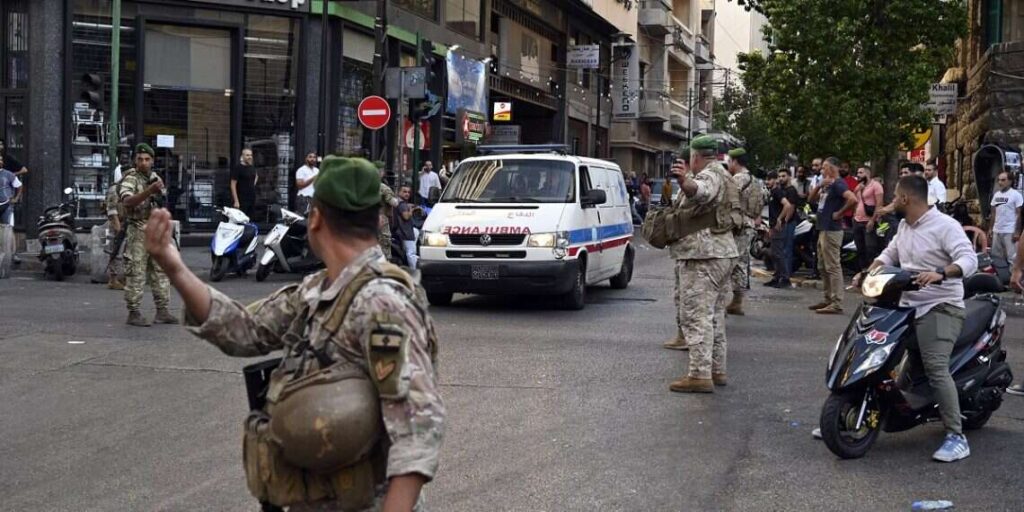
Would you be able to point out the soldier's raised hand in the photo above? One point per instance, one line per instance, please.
(159, 239)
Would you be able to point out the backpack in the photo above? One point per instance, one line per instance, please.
(664, 226)
(752, 195)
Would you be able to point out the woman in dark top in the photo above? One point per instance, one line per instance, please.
(243, 183)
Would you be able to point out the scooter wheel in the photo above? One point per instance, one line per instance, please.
(262, 272)
(977, 421)
(219, 269)
(838, 422)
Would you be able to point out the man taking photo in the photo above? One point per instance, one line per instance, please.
(932, 244)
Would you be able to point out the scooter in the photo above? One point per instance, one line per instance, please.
(875, 385)
(58, 245)
(286, 248)
(233, 248)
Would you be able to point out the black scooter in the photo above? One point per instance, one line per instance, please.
(58, 244)
(876, 386)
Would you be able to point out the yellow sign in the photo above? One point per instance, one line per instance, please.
(502, 111)
(920, 138)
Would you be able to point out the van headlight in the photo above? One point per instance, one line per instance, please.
(541, 240)
(877, 357)
(435, 239)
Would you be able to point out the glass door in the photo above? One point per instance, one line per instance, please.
(187, 100)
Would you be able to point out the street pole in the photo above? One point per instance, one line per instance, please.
(322, 135)
(380, 35)
(416, 124)
(113, 134)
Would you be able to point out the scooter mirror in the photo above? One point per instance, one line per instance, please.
(68, 191)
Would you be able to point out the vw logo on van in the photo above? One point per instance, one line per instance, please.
(485, 239)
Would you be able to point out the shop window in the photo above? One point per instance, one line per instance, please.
(463, 16)
(993, 22)
(356, 84)
(425, 8)
(16, 44)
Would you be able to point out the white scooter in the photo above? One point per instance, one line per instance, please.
(286, 248)
(233, 248)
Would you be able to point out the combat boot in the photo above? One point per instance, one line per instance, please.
(719, 379)
(135, 318)
(677, 343)
(164, 317)
(692, 385)
(115, 284)
(736, 306)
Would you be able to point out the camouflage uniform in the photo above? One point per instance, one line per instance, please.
(140, 269)
(115, 265)
(740, 279)
(413, 417)
(704, 262)
(388, 200)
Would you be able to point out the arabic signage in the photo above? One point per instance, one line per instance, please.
(471, 127)
(281, 5)
(504, 134)
(625, 81)
(584, 56)
(942, 99)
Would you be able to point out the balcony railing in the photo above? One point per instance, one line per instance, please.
(519, 90)
(655, 17)
(703, 50)
(653, 106)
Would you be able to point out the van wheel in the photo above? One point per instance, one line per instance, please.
(439, 299)
(576, 298)
(625, 275)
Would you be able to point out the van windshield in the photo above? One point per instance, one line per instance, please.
(512, 181)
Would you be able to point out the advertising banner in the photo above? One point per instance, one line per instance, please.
(625, 81)
(584, 56)
(467, 84)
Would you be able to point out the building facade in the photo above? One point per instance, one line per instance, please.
(985, 135)
(200, 80)
(676, 89)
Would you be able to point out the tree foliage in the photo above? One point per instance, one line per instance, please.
(737, 113)
(848, 77)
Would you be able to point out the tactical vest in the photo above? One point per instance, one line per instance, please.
(722, 214)
(752, 195)
(320, 436)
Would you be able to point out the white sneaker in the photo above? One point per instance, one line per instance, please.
(953, 449)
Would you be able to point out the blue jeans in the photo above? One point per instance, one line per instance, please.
(782, 251)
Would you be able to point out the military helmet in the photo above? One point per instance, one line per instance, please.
(326, 421)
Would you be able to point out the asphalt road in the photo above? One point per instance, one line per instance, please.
(548, 411)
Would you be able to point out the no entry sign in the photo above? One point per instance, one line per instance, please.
(374, 112)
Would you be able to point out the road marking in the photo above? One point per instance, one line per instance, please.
(76, 342)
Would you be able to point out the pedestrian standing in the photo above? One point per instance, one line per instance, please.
(404, 230)
(869, 196)
(936, 188)
(802, 185)
(243, 184)
(704, 262)
(815, 176)
(10, 163)
(388, 201)
(353, 419)
(834, 199)
(428, 181)
(678, 342)
(304, 178)
(141, 191)
(783, 219)
(1005, 223)
(11, 190)
(752, 200)
(851, 183)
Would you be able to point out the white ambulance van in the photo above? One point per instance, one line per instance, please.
(528, 220)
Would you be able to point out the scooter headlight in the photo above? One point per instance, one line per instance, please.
(875, 284)
(435, 239)
(876, 359)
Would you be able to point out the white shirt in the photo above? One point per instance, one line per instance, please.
(1005, 205)
(937, 189)
(936, 240)
(304, 173)
(117, 173)
(815, 180)
(428, 180)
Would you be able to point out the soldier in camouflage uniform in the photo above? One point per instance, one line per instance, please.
(140, 192)
(388, 201)
(748, 186)
(704, 263)
(682, 315)
(300, 318)
(115, 217)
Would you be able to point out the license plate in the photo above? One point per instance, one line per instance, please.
(485, 272)
(53, 249)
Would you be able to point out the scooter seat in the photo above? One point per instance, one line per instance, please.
(978, 313)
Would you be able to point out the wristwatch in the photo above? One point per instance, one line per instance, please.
(941, 271)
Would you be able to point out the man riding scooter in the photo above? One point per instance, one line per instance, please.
(932, 244)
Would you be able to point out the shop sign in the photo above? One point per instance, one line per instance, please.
(410, 135)
(283, 5)
(942, 99)
(625, 81)
(503, 111)
(504, 134)
(1012, 161)
(471, 127)
(584, 56)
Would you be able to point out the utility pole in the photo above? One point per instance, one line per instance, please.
(380, 36)
(113, 134)
(416, 123)
(322, 131)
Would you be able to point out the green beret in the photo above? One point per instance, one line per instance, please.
(142, 147)
(350, 184)
(738, 152)
(684, 153)
(703, 142)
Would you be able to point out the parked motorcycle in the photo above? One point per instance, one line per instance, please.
(876, 386)
(286, 248)
(58, 245)
(233, 247)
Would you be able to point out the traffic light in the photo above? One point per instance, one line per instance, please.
(429, 61)
(92, 90)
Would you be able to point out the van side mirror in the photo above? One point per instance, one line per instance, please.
(594, 197)
(434, 195)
